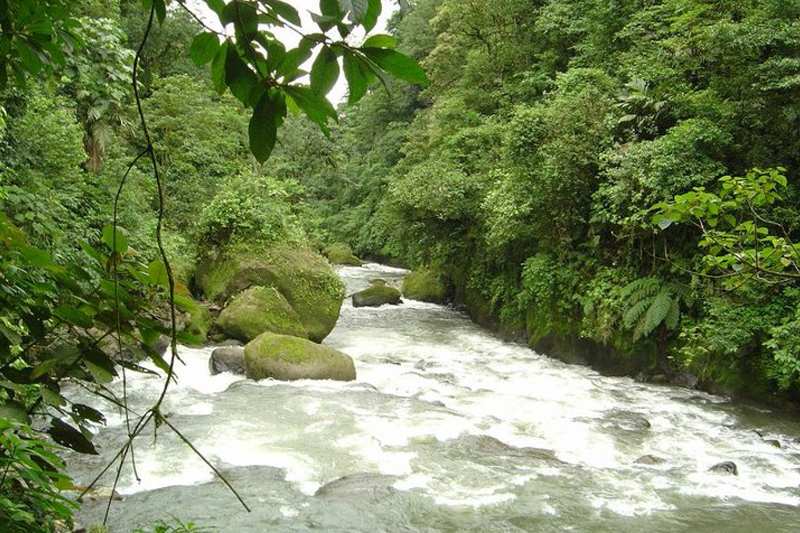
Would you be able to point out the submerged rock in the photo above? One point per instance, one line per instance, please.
(227, 359)
(341, 254)
(372, 485)
(304, 278)
(773, 442)
(289, 358)
(725, 467)
(425, 286)
(260, 309)
(626, 420)
(376, 296)
(487, 445)
(650, 460)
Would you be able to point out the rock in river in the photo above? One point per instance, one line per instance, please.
(260, 309)
(376, 296)
(227, 359)
(725, 467)
(375, 486)
(289, 358)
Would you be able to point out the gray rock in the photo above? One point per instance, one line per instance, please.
(773, 442)
(685, 379)
(486, 445)
(725, 467)
(364, 484)
(227, 359)
(626, 421)
(650, 460)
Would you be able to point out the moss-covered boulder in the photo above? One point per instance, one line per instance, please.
(289, 358)
(376, 296)
(256, 310)
(341, 254)
(424, 285)
(304, 278)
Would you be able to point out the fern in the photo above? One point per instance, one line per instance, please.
(650, 302)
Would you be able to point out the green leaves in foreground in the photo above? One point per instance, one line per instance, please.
(267, 77)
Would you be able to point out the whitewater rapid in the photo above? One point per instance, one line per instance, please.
(457, 430)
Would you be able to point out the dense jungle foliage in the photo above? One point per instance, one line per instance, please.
(614, 181)
(617, 181)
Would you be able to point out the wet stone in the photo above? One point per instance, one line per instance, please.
(725, 467)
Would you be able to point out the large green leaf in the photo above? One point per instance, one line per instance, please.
(356, 74)
(218, 68)
(263, 130)
(204, 48)
(117, 241)
(315, 106)
(371, 16)
(286, 11)
(398, 65)
(240, 78)
(380, 41)
(325, 71)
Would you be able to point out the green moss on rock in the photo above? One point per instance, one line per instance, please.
(302, 276)
(259, 309)
(289, 358)
(376, 296)
(424, 285)
(341, 254)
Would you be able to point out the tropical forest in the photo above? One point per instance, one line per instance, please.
(399, 266)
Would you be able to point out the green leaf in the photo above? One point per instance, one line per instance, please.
(315, 106)
(372, 15)
(263, 130)
(294, 58)
(398, 65)
(161, 10)
(74, 316)
(380, 41)
(218, 68)
(157, 272)
(30, 58)
(356, 76)
(68, 436)
(285, 10)
(242, 15)
(218, 6)
(117, 241)
(331, 14)
(204, 48)
(241, 80)
(324, 72)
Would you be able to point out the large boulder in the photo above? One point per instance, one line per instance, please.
(227, 359)
(289, 358)
(259, 309)
(341, 254)
(304, 278)
(376, 296)
(425, 286)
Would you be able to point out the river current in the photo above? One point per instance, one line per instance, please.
(447, 428)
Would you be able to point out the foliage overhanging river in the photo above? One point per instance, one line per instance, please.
(449, 429)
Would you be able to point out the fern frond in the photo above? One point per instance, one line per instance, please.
(674, 315)
(635, 312)
(657, 312)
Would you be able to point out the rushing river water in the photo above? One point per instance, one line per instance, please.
(449, 429)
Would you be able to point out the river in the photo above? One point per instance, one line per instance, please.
(448, 428)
